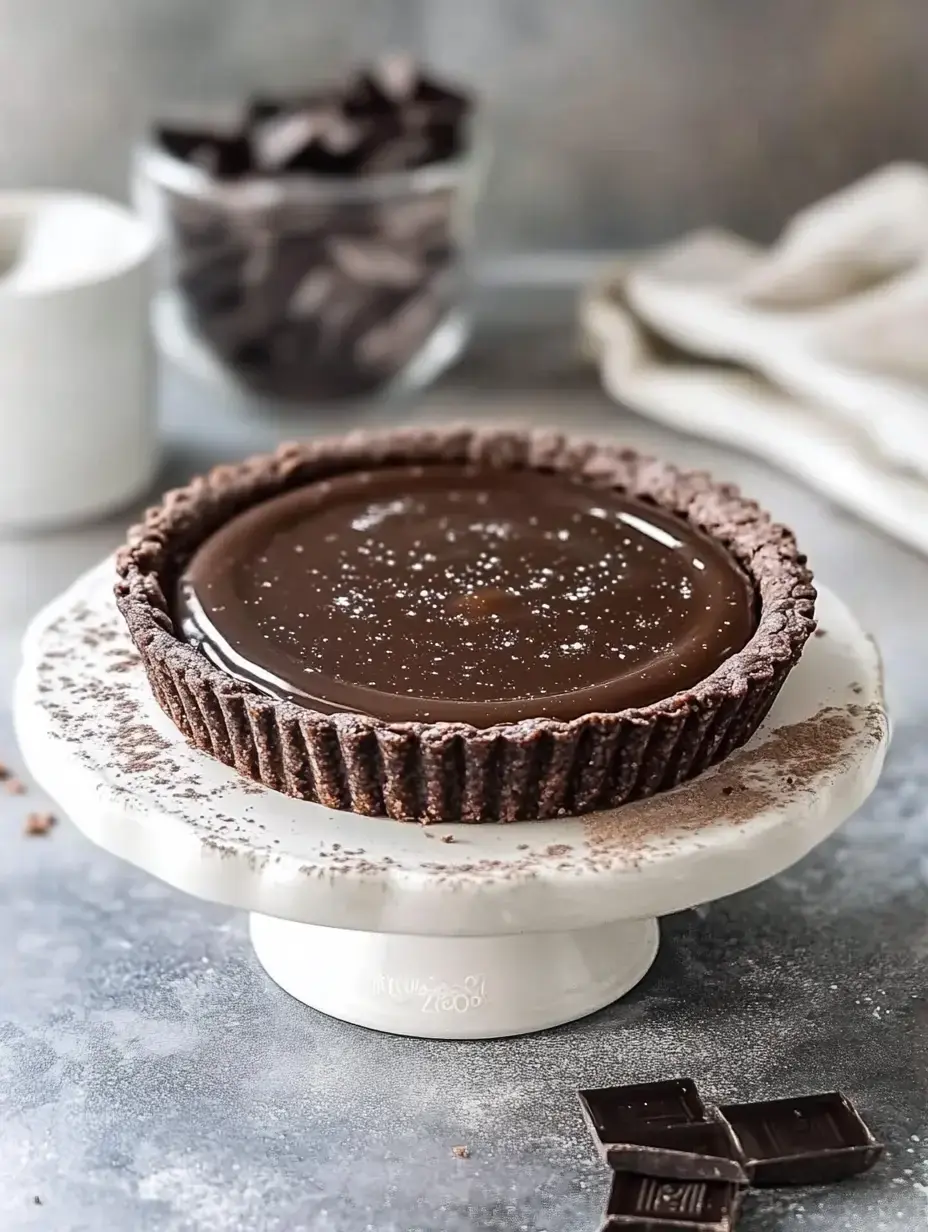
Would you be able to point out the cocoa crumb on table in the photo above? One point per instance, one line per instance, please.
(15, 787)
(460, 1152)
(4, 772)
(39, 824)
(447, 838)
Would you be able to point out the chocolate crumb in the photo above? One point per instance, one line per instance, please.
(460, 1152)
(522, 847)
(39, 824)
(447, 838)
(4, 772)
(15, 787)
(36, 1201)
(821, 633)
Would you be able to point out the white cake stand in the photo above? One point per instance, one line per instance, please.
(503, 929)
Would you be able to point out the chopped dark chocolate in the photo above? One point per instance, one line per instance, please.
(320, 296)
(385, 117)
(619, 1114)
(650, 1204)
(806, 1140)
(699, 1151)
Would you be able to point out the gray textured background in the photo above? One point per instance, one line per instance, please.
(617, 121)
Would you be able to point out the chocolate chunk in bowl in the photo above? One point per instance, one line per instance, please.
(374, 681)
(363, 193)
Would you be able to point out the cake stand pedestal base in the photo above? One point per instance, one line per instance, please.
(444, 987)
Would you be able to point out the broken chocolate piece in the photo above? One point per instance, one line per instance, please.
(619, 1114)
(806, 1140)
(648, 1204)
(699, 1151)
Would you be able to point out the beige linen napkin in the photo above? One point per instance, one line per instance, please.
(812, 354)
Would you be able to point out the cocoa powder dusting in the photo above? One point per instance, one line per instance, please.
(745, 784)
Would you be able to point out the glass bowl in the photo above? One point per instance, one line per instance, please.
(310, 288)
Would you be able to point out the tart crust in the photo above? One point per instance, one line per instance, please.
(447, 772)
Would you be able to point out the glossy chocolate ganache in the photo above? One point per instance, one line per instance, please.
(449, 593)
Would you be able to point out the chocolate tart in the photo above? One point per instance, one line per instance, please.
(462, 624)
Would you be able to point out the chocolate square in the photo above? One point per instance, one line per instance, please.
(699, 1151)
(620, 1114)
(647, 1202)
(806, 1140)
